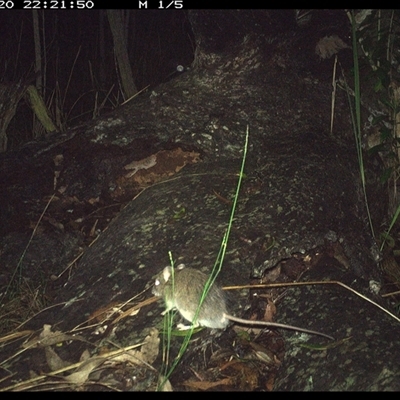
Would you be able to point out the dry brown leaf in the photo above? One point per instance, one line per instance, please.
(54, 361)
(205, 385)
(81, 375)
(270, 382)
(135, 309)
(329, 45)
(54, 222)
(270, 311)
(151, 346)
(144, 163)
(263, 354)
(85, 355)
(94, 200)
(228, 364)
(163, 164)
(273, 274)
(166, 387)
(49, 338)
(103, 313)
(246, 376)
(148, 352)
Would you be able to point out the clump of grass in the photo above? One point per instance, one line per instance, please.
(21, 305)
(356, 119)
(375, 43)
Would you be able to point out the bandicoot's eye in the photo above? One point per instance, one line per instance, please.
(157, 282)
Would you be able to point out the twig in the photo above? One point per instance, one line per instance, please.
(272, 285)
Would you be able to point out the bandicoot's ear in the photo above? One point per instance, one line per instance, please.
(166, 273)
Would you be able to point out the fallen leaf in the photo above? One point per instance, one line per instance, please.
(81, 375)
(205, 385)
(49, 338)
(270, 311)
(54, 361)
(147, 353)
(164, 385)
